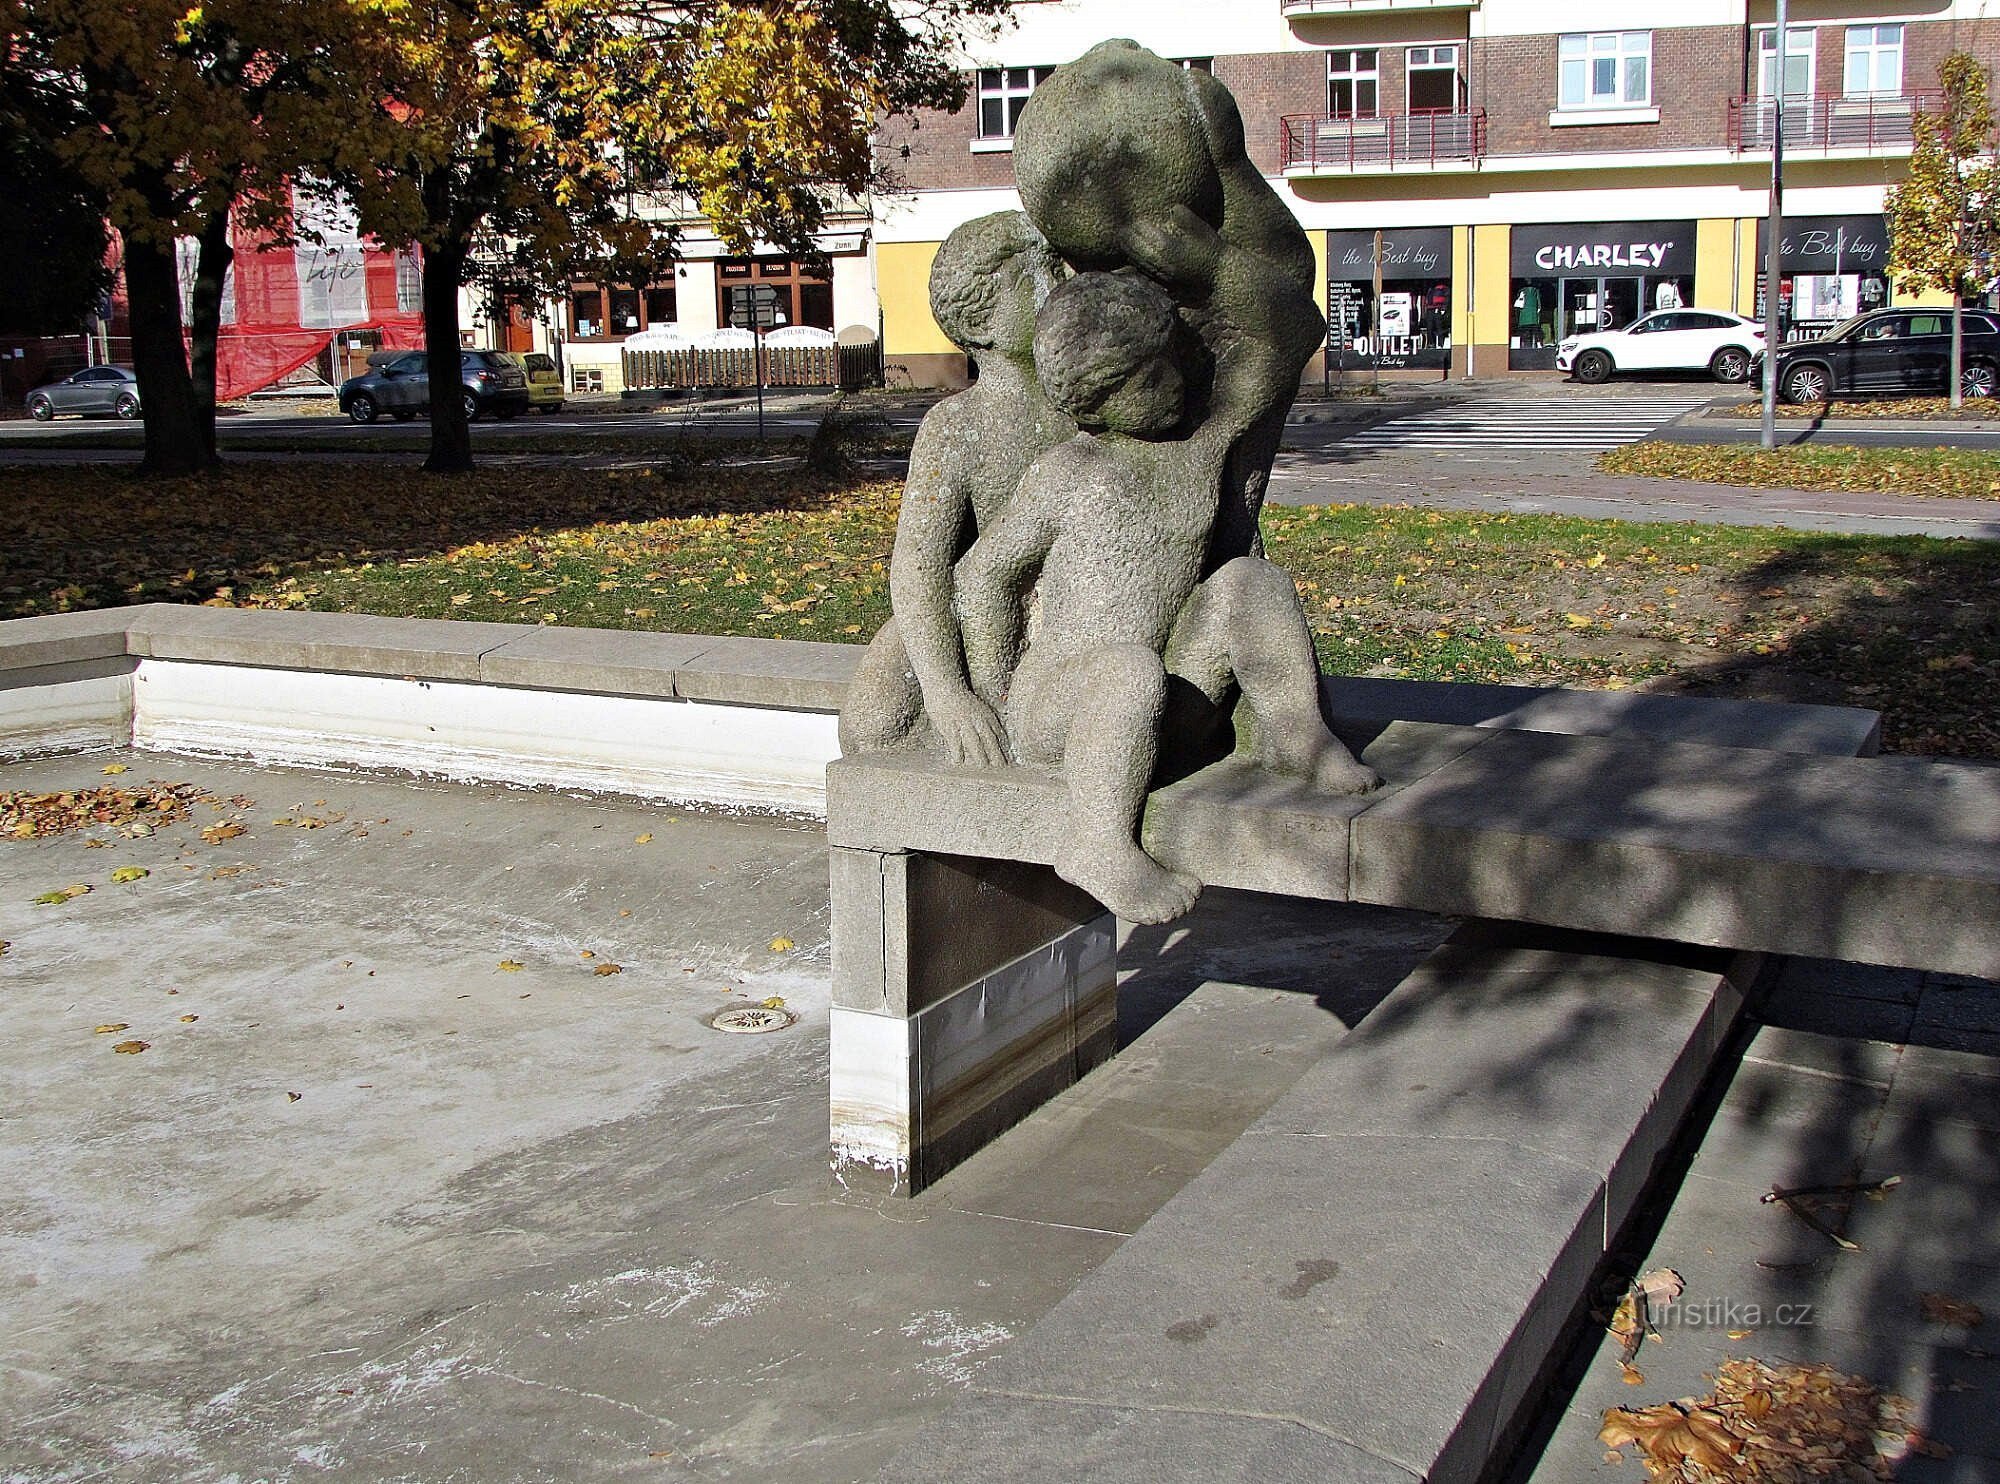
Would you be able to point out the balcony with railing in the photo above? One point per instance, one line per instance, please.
(1868, 123)
(1441, 140)
(1300, 9)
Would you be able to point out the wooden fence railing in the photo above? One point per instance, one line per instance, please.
(848, 367)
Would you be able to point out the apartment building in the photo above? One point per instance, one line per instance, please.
(1481, 178)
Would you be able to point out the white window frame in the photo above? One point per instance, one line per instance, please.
(1585, 51)
(998, 84)
(1431, 63)
(1875, 50)
(1354, 75)
(1801, 44)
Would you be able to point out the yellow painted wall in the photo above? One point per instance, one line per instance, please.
(903, 279)
(1491, 303)
(1747, 266)
(1926, 299)
(1318, 241)
(1715, 278)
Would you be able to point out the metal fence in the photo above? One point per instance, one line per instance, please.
(848, 367)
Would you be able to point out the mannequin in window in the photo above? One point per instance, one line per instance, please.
(1528, 316)
(1667, 295)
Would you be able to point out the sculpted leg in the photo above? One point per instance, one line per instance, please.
(884, 704)
(1102, 710)
(1245, 622)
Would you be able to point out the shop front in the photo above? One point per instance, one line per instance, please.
(1830, 268)
(1388, 300)
(1577, 279)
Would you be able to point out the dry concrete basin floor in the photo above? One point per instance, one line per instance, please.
(406, 1185)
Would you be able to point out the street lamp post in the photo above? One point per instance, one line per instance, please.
(1774, 244)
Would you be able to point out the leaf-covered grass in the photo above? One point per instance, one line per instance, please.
(1974, 410)
(1905, 625)
(1951, 473)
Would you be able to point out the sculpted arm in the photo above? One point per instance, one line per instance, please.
(993, 579)
(936, 510)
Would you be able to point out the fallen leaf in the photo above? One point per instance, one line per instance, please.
(511, 966)
(645, 839)
(112, 1028)
(64, 894)
(215, 834)
(775, 1002)
(293, 1097)
(126, 875)
(130, 1048)
(782, 945)
(189, 1019)
(603, 969)
(114, 769)
(1942, 1308)
(4, 946)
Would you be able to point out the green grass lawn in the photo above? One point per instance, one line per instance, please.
(1955, 473)
(1908, 626)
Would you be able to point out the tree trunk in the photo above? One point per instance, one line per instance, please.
(205, 320)
(174, 444)
(451, 437)
(1957, 349)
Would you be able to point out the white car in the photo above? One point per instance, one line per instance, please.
(1708, 340)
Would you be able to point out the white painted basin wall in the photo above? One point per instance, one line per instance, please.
(671, 749)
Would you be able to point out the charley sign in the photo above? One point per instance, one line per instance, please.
(1588, 249)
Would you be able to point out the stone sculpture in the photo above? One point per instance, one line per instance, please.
(1077, 549)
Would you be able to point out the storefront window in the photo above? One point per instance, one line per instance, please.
(1831, 268)
(1388, 299)
(1577, 280)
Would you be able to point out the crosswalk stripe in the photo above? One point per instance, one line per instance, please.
(1591, 428)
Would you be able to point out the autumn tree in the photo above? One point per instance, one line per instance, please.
(52, 234)
(1944, 220)
(189, 115)
(532, 127)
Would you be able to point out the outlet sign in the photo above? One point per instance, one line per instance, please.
(1604, 250)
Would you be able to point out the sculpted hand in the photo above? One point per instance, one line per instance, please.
(967, 729)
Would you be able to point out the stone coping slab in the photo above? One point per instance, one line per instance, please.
(1878, 860)
(1875, 860)
(799, 675)
(1378, 1270)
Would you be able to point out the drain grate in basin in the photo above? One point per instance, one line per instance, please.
(751, 1020)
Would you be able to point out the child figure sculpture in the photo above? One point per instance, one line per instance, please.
(1116, 524)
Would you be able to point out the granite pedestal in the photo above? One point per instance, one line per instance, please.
(966, 993)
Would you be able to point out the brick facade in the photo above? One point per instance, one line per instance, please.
(1695, 71)
(1267, 88)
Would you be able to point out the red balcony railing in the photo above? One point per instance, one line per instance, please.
(1882, 122)
(1426, 138)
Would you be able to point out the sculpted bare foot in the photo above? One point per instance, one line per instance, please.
(1128, 881)
(1338, 771)
(1325, 763)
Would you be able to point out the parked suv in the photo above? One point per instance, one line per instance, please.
(401, 387)
(1708, 340)
(545, 384)
(113, 389)
(1890, 350)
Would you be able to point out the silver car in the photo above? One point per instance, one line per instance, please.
(112, 389)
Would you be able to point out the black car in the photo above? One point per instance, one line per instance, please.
(1891, 350)
(113, 389)
(401, 387)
